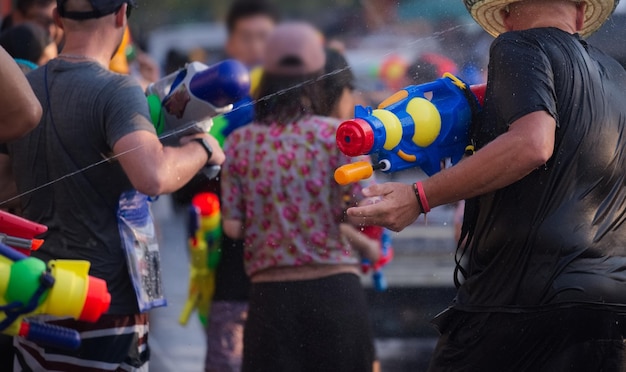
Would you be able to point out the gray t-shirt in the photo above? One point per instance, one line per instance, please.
(89, 110)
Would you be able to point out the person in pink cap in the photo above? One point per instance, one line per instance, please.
(307, 307)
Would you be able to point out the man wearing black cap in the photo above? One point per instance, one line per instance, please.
(543, 280)
(92, 114)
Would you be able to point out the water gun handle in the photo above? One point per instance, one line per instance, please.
(380, 284)
(50, 335)
(211, 171)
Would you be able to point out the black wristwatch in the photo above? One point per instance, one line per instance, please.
(205, 145)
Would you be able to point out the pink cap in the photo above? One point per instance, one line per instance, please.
(294, 48)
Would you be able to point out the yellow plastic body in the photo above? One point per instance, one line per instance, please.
(66, 298)
(201, 277)
(119, 63)
(395, 98)
(354, 172)
(393, 128)
(201, 280)
(427, 121)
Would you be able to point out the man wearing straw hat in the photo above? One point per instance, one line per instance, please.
(542, 284)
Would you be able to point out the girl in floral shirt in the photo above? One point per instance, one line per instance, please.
(307, 307)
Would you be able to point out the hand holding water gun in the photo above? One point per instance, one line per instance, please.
(61, 288)
(185, 101)
(419, 126)
(205, 236)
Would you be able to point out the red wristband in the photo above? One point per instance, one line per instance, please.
(422, 197)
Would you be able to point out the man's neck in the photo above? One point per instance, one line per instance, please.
(555, 23)
(75, 50)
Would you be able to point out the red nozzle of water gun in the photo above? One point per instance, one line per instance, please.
(19, 227)
(97, 301)
(355, 137)
(479, 91)
(207, 203)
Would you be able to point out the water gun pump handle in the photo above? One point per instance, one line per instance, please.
(50, 335)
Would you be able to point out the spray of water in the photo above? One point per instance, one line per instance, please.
(407, 45)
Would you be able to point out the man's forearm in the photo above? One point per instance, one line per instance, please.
(20, 111)
(179, 165)
(506, 160)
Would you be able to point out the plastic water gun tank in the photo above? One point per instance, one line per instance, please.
(419, 126)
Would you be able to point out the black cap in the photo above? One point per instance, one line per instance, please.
(101, 8)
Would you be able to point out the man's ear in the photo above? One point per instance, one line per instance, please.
(57, 18)
(120, 16)
(505, 13)
(580, 15)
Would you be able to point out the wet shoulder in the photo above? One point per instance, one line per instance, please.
(545, 39)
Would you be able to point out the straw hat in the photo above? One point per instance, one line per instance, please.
(487, 14)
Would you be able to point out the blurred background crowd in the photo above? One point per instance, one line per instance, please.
(388, 44)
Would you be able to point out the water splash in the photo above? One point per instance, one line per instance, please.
(105, 160)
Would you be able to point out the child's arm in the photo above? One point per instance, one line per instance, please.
(368, 248)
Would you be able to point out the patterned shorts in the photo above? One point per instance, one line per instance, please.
(114, 343)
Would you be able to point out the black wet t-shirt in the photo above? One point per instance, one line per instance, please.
(558, 235)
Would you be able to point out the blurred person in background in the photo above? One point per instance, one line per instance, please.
(338, 101)
(92, 112)
(30, 45)
(248, 23)
(36, 11)
(307, 306)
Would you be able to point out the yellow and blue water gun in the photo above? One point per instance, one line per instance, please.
(419, 126)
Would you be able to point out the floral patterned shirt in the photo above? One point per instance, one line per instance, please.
(278, 180)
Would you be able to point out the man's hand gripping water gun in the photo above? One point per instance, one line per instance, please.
(205, 237)
(419, 126)
(29, 287)
(184, 102)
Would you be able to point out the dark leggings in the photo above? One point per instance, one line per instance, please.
(562, 340)
(311, 325)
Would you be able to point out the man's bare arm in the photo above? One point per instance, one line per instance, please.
(528, 144)
(20, 111)
(154, 169)
(233, 228)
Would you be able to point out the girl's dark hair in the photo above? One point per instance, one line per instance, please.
(287, 99)
(338, 76)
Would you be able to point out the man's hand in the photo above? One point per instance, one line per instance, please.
(396, 209)
(218, 157)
